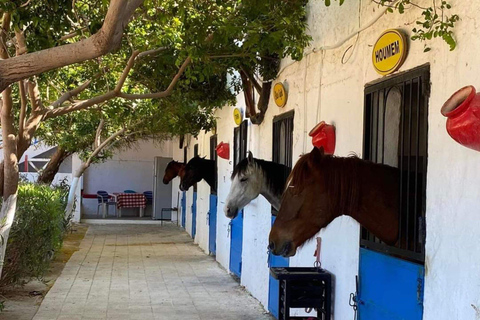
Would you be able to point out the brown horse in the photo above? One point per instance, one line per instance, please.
(322, 187)
(172, 170)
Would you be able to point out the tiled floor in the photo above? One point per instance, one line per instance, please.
(145, 272)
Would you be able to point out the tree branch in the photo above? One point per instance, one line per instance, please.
(162, 94)
(72, 93)
(21, 48)
(117, 91)
(73, 34)
(102, 145)
(3, 36)
(250, 76)
(105, 40)
(98, 133)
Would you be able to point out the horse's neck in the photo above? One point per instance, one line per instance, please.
(209, 173)
(274, 199)
(343, 184)
(178, 166)
(272, 192)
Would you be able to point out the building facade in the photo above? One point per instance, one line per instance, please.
(337, 86)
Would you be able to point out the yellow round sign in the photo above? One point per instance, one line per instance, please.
(237, 116)
(389, 52)
(280, 95)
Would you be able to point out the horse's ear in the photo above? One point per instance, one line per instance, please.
(250, 157)
(317, 153)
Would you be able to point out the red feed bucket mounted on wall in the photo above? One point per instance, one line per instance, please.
(323, 135)
(223, 150)
(463, 113)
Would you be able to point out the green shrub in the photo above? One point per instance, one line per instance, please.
(37, 232)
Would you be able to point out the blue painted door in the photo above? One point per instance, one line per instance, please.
(389, 288)
(194, 215)
(212, 224)
(236, 238)
(273, 284)
(184, 208)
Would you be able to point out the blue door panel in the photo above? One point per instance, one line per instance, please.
(184, 208)
(212, 224)
(236, 239)
(194, 215)
(273, 284)
(389, 288)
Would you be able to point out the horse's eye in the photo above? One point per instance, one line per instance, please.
(243, 179)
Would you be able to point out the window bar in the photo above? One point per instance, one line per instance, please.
(409, 171)
(402, 138)
(385, 97)
(415, 230)
(425, 160)
(376, 128)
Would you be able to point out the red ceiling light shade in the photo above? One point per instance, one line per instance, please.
(223, 150)
(323, 135)
(462, 110)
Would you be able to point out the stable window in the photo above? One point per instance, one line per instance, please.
(282, 146)
(213, 156)
(396, 125)
(240, 142)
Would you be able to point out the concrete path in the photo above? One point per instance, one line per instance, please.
(145, 272)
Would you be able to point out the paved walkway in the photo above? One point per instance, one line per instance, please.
(145, 272)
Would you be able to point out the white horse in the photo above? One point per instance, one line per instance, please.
(252, 177)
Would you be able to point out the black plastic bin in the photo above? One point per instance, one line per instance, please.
(303, 288)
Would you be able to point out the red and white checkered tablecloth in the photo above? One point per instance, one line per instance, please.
(131, 200)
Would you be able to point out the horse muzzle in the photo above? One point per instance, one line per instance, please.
(286, 249)
(231, 212)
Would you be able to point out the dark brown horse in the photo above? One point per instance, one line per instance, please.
(196, 170)
(172, 170)
(322, 187)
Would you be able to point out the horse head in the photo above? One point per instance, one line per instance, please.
(172, 170)
(192, 173)
(246, 185)
(323, 187)
(303, 208)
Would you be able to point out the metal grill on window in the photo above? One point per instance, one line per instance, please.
(240, 142)
(213, 156)
(195, 153)
(396, 129)
(283, 141)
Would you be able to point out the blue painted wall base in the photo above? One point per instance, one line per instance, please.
(273, 284)
(184, 208)
(194, 215)
(212, 224)
(236, 239)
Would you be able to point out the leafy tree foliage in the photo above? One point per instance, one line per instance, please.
(436, 22)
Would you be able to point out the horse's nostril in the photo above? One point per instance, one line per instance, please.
(271, 246)
(286, 248)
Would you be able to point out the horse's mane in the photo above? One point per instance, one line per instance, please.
(276, 174)
(338, 174)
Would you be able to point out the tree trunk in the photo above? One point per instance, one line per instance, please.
(108, 38)
(7, 214)
(10, 171)
(48, 174)
(73, 189)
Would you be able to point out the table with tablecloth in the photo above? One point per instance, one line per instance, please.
(130, 200)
